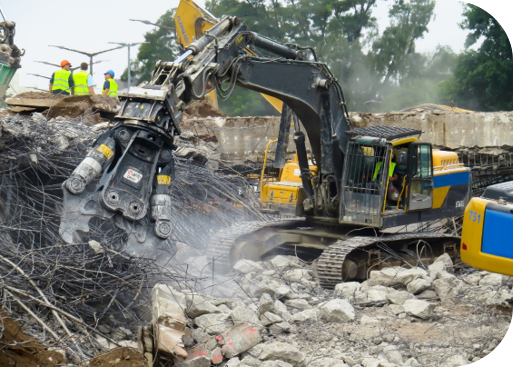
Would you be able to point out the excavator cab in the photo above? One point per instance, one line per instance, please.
(392, 179)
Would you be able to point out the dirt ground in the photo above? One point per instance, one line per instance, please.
(121, 357)
(17, 349)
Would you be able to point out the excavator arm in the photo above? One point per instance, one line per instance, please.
(128, 174)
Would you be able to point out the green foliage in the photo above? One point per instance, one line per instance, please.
(482, 79)
(159, 44)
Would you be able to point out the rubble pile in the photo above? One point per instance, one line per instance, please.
(89, 110)
(84, 298)
(442, 315)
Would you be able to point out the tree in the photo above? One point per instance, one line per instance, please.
(159, 44)
(483, 78)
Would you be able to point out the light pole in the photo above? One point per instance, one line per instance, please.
(147, 22)
(128, 45)
(72, 69)
(90, 54)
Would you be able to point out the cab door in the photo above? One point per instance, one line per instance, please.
(420, 177)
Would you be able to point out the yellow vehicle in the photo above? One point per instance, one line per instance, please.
(365, 181)
(192, 21)
(486, 237)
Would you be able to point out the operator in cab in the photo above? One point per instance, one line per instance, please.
(110, 87)
(61, 81)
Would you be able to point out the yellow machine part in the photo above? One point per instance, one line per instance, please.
(472, 239)
(191, 22)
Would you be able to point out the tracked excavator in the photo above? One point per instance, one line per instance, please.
(367, 180)
(10, 54)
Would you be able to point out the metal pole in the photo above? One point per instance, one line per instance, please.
(129, 76)
(91, 65)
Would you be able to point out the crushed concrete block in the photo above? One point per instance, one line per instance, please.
(297, 275)
(368, 320)
(297, 305)
(409, 275)
(198, 305)
(372, 297)
(491, 280)
(96, 247)
(311, 315)
(386, 277)
(238, 339)
(280, 328)
(281, 310)
(234, 362)
(199, 335)
(418, 286)
(269, 318)
(412, 362)
(427, 294)
(282, 262)
(266, 285)
(213, 323)
(393, 355)
(447, 286)
(284, 292)
(247, 266)
(266, 304)
(281, 352)
(346, 290)
(435, 269)
(446, 260)
(243, 314)
(337, 310)
(398, 297)
(420, 309)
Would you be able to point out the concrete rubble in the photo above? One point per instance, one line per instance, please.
(398, 317)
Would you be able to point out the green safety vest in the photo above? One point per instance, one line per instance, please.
(80, 80)
(113, 90)
(61, 80)
(378, 167)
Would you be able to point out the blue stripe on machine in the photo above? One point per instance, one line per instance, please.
(451, 179)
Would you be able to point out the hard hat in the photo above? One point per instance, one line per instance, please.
(109, 72)
(64, 63)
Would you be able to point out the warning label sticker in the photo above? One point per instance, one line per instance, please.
(297, 172)
(133, 176)
(106, 151)
(163, 180)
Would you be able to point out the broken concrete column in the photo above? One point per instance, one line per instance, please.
(168, 320)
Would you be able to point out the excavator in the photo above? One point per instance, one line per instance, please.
(10, 54)
(486, 223)
(368, 181)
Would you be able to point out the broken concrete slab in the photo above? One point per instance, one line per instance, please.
(238, 339)
(420, 309)
(337, 310)
(346, 290)
(214, 323)
(198, 305)
(281, 352)
(266, 304)
(247, 266)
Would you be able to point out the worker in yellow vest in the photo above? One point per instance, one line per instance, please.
(110, 87)
(61, 81)
(84, 83)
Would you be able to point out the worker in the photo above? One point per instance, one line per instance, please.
(84, 83)
(62, 80)
(392, 173)
(110, 87)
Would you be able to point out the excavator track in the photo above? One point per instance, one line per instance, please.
(330, 265)
(223, 241)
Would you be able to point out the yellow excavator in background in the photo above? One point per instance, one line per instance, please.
(192, 21)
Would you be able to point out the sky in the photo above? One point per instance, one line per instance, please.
(96, 23)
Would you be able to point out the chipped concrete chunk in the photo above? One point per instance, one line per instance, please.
(247, 266)
(417, 308)
(266, 304)
(281, 352)
(214, 323)
(199, 305)
(346, 290)
(337, 310)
